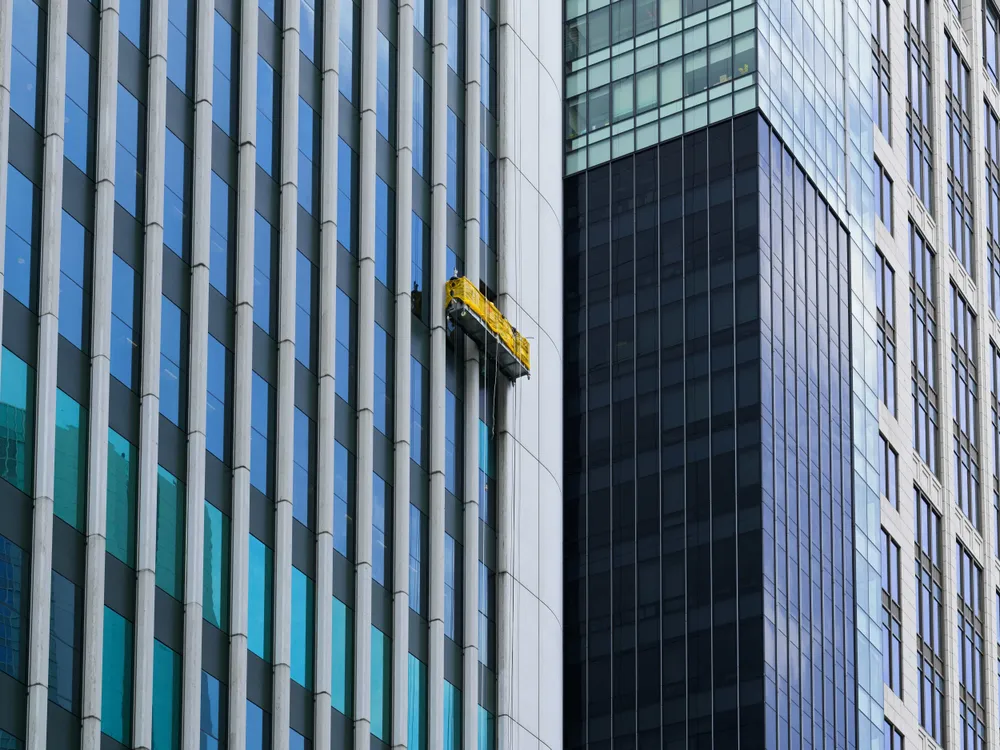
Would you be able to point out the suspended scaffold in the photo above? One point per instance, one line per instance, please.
(480, 319)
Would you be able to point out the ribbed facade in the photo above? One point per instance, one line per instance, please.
(258, 491)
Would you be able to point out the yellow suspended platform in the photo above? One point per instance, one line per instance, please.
(469, 309)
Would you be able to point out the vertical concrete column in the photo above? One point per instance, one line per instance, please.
(470, 594)
(100, 377)
(366, 385)
(327, 397)
(439, 274)
(243, 374)
(194, 531)
(401, 448)
(45, 405)
(149, 408)
(287, 249)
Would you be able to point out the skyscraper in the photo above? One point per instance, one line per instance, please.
(259, 490)
(721, 415)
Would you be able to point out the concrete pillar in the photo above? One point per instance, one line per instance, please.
(470, 596)
(100, 377)
(366, 385)
(287, 250)
(401, 421)
(243, 374)
(327, 398)
(45, 405)
(194, 532)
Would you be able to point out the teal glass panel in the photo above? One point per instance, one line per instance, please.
(17, 420)
(341, 695)
(166, 698)
(452, 717)
(487, 730)
(302, 628)
(9, 741)
(381, 685)
(13, 598)
(169, 533)
(123, 480)
(70, 490)
(416, 721)
(261, 600)
(116, 690)
(215, 581)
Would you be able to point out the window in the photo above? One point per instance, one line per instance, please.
(452, 588)
(260, 602)
(418, 406)
(25, 75)
(487, 60)
(384, 84)
(485, 620)
(892, 738)
(420, 17)
(966, 406)
(452, 442)
(213, 698)
(215, 579)
(261, 429)
(169, 534)
(452, 717)
(418, 537)
(885, 292)
(421, 143)
(269, 7)
(346, 182)
(959, 158)
(419, 266)
(17, 422)
(347, 37)
(416, 691)
(346, 362)
(991, 40)
(924, 346)
(892, 617)
(134, 17)
(303, 619)
(65, 644)
(13, 596)
(971, 678)
(177, 195)
(116, 674)
(304, 471)
(173, 363)
(991, 139)
(918, 101)
(995, 434)
(456, 144)
(343, 658)
(130, 154)
(308, 148)
(220, 366)
(222, 224)
(178, 46)
(167, 706)
(454, 38)
(268, 104)
(930, 645)
(126, 305)
(487, 205)
(23, 237)
(222, 75)
(258, 727)
(381, 696)
(123, 483)
(296, 741)
(70, 475)
(385, 234)
(343, 486)
(383, 381)
(309, 34)
(74, 273)
(265, 251)
(81, 98)
(881, 78)
(883, 195)
(381, 507)
(889, 472)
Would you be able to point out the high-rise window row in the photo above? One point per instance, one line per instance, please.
(924, 344)
(885, 293)
(958, 118)
(971, 650)
(881, 69)
(965, 407)
(892, 616)
(930, 618)
(919, 105)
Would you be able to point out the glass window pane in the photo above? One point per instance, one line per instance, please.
(169, 533)
(452, 717)
(123, 476)
(416, 704)
(215, 594)
(213, 700)
(381, 685)
(343, 658)
(116, 674)
(167, 703)
(302, 628)
(70, 478)
(13, 596)
(65, 643)
(260, 601)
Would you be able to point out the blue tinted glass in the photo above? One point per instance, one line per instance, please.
(24, 75)
(116, 673)
(487, 728)
(218, 396)
(215, 581)
(65, 633)
(123, 342)
(302, 628)
(70, 477)
(304, 475)
(453, 148)
(167, 705)
(345, 193)
(344, 355)
(9, 741)
(128, 169)
(173, 347)
(258, 727)
(303, 312)
(383, 229)
(12, 600)
(341, 489)
(268, 7)
(79, 95)
(212, 697)
(416, 552)
(417, 412)
(296, 741)
(260, 421)
(417, 255)
(221, 213)
(381, 685)
(420, 17)
(259, 601)
(72, 264)
(176, 194)
(266, 102)
(451, 417)
(177, 43)
(451, 569)
(307, 128)
(123, 481)
(17, 421)
(222, 107)
(169, 533)
(307, 21)
(343, 662)
(23, 203)
(379, 504)
(263, 254)
(383, 114)
(416, 729)
(453, 35)
(131, 17)
(346, 80)
(452, 717)
(419, 136)
(383, 402)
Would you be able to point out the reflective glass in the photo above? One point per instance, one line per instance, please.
(130, 167)
(452, 593)
(452, 717)
(383, 381)
(173, 363)
(221, 222)
(304, 474)
(9, 741)
(116, 676)
(222, 103)
(383, 68)
(133, 17)
(65, 643)
(307, 22)
(69, 490)
(342, 468)
(308, 132)
(385, 240)
(453, 414)
(268, 6)
(487, 730)
(419, 264)
(302, 628)
(24, 74)
(212, 706)
(416, 559)
(178, 69)
(264, 254)
(380, 509)
(345, 357)
(17, 422)
(219, 373)
(454, 148)
(261, 420)
(13, 598)
(21, 255)
(268, 101)
(123, 482)
(74, 318)
(177, 194)
(124, 304)
(418, 405)
(345, 186)
(454, 52)
(419, 131)
(381, 685)
(343, 658)
(215, 580)
(347, 13)
(167, 704)
(258, 727)
(305, 302)
(169, 533)
(296, 741)
(260, 601)
(416, 720)
(81, 92)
